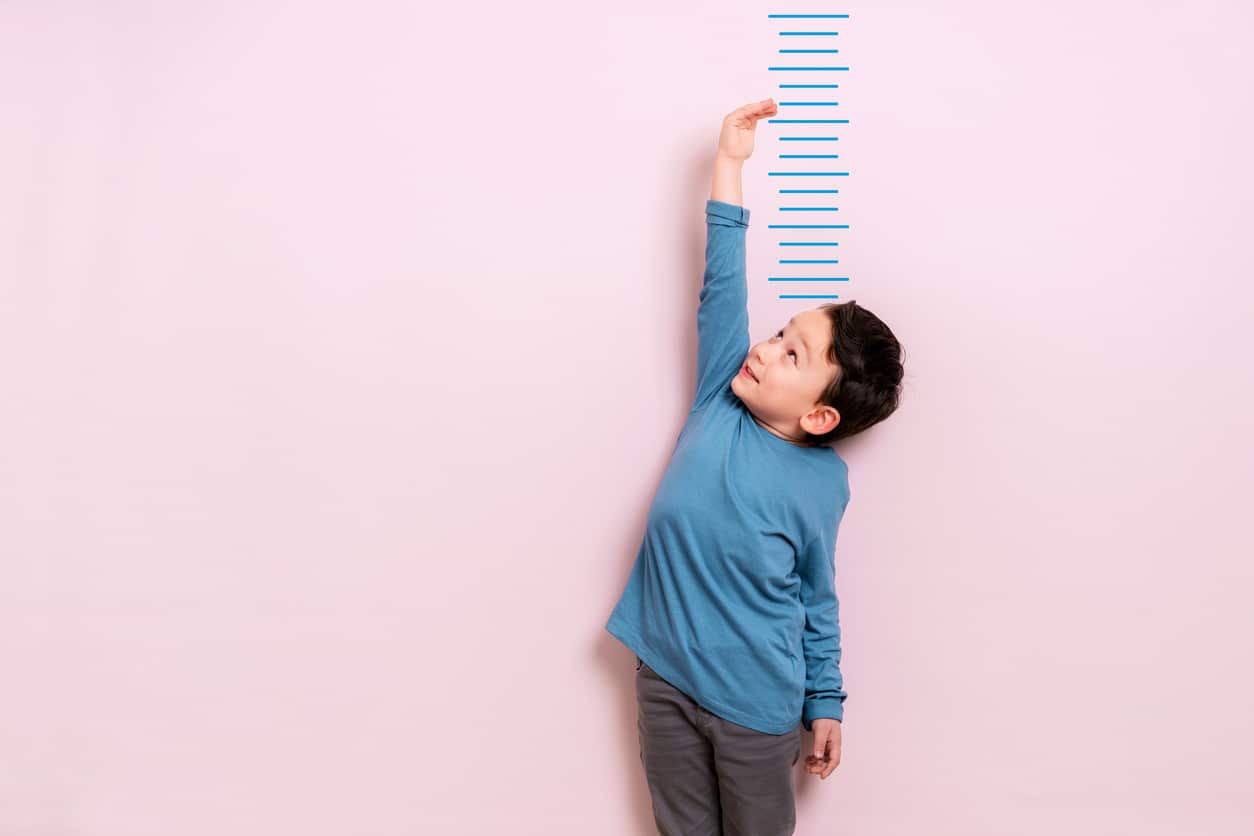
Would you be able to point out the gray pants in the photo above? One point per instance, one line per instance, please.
(709, 776)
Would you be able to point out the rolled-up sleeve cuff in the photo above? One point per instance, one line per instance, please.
(814, 709)
(738, 215)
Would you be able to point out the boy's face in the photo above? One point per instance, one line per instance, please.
(791, 370)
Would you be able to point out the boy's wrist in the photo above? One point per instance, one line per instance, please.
(725, 185)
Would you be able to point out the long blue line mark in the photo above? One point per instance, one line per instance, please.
(807, 278)
(810, 121)
(807, 15)
(824, 51)
(807, 68)
(809, 156)
(808, 296)
(809, 209)
(809, 191)
(805, 104)
(809, 261)
(807, 174)
(809, 243)
(806, 138)
(809, 33)
(809, 85)
(807, 226)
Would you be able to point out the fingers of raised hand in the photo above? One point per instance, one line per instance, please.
(750, 113)
(758, 107)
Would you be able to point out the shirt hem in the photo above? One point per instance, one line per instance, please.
(642, 649)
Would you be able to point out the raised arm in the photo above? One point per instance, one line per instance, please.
(726, 184)
(722, 316)
(735, 145)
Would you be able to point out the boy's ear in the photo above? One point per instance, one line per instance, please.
(821, 419)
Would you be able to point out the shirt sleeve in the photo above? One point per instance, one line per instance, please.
(820, 641)
(723, 313)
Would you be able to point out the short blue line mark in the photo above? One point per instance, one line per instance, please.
(825, 51)
(807, 226)
(810, 121)
(807, 15)
(808, 279)
(809, 85)
(809, 261)
(808, 296)
(809, 191)
(809, 156)
(807, 68)
(809, 243)
(805, 104)
(809, 209)
(806, 138)
(807, 174)
(809, 33)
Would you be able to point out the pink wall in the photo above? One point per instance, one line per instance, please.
(343, 347)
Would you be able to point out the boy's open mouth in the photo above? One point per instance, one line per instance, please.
(748, 372)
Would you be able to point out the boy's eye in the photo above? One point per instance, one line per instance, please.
(780, 333)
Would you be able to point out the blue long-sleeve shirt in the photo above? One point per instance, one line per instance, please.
(732, 597)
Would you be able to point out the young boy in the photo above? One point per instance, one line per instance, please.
(731, 608)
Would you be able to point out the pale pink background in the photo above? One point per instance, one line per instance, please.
(343, 346)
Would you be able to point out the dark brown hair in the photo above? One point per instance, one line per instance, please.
(867, 387)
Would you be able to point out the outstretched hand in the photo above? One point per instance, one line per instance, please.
(826, 755)
(735, 141)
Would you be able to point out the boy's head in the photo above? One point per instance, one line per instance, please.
(831, 372)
